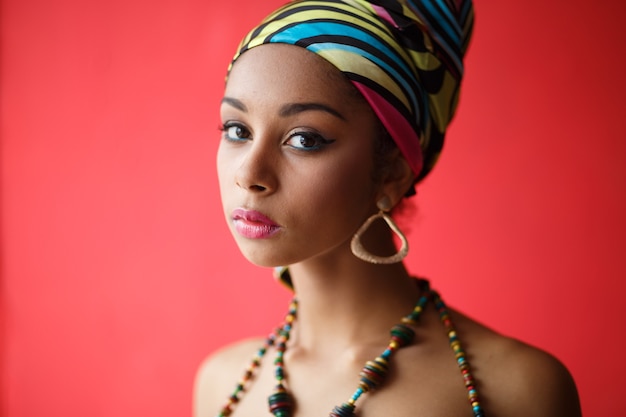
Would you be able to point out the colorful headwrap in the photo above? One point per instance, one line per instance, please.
(404, 56)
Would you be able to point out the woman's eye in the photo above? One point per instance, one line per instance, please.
(307, 141)
(235, 131)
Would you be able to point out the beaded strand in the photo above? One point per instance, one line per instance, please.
(280, 402)
(373, 373)
(241, 386)
(459, 353)
(255, 363)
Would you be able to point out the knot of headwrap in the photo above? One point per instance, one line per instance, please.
(404, 56)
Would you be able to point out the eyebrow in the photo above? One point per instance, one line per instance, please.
(235, 103)
(295, 108)
(289, 109)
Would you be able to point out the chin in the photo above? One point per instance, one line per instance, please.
(264, 258)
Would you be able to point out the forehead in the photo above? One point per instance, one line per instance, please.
(287, 72)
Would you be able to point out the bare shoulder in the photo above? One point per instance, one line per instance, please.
(218, 374)
(518, 379)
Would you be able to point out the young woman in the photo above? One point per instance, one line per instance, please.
(333, 111)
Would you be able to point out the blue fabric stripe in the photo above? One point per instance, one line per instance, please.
(444, 21)
(310, 29)
(451, 51)
(295, 33)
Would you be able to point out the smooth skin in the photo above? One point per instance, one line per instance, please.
(298, 146)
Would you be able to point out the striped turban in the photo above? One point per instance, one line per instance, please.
(404, 56)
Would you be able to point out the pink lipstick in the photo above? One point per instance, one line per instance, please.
(253, 225)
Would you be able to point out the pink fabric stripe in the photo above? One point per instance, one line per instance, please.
(384, 14)
(398, 127)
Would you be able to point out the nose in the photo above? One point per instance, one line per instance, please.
(257, 170)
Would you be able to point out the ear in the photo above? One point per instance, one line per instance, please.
(398, 179)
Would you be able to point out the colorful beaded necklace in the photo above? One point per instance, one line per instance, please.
(373, 373)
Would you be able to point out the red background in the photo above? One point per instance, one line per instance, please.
(119, 275)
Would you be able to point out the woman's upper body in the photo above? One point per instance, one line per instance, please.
(301, 166)
(513, 379)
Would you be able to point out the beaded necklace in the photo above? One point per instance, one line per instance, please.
(373, 373)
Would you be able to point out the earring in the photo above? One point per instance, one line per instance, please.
(384, 205)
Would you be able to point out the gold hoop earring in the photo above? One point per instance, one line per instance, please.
(360, 252)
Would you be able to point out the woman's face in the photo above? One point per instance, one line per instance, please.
(296, 156)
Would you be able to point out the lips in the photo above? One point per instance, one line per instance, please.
(252, 224)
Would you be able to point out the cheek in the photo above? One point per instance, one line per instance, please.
(344, 191)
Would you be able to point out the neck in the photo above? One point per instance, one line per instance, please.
(349, 304)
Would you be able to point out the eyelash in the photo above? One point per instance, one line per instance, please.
(320, 140)
(229, 125)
